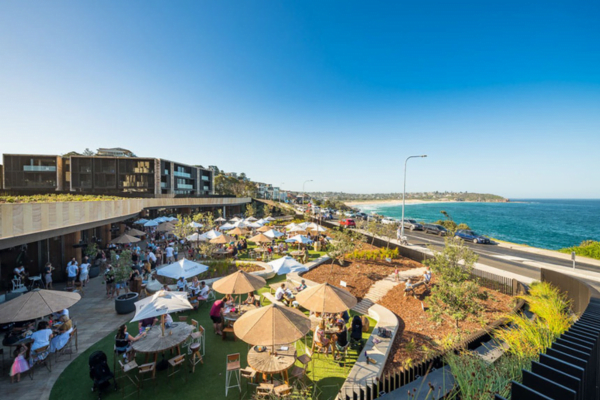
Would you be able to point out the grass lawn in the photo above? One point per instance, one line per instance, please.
(208, 381)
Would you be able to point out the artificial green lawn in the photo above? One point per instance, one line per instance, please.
(208, 381)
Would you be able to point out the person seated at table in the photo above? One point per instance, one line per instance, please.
(63, 332)
(228, 300)
(168, 321)
(166, 288)
(204, 291)
(302, 286)
(42, 336)
(182, 284)
(341, 338)
(320, 336)
(344, 317)
(194, 287)
(281, 248)
(146, 322)
(123, 342)
(251, 299)
(409, 287)
(62, 313)
(215, 315)
(20, 273)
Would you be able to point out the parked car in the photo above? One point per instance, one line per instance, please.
(348, 223)
(435, 229)
(388, 221)
(412, 225)
(471, 236)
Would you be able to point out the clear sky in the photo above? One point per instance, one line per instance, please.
(504, 97)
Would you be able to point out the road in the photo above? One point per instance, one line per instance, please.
(512, 260)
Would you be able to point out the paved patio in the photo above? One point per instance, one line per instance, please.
(95, 317)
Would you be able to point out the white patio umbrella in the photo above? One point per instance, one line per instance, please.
(253, 225)
(290, 226)
(235, 219)
(194, 237)
(210, 235)
(195, 224)
(297, 228)
(262, 221)
(299, 239)
(270, 219)
(251, 219)
(318, 229)
(151, 223)
(226, 227)
(286, 265)
(182, 268)
(161, 303)
(240, 224)
(141, 221)
(273, 234)
(220, 219)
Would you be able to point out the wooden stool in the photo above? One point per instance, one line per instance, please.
(176, 363)
(232, 370)
(143, 369)
(196, 356)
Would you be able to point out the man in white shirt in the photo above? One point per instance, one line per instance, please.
(56, 316)
(282, 293)
(170, 258)
(84, 269)
(204, 291)
(72, 271)
(181, 284)
(152, 258)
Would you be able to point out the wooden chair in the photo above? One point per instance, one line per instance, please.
(68, 347)
(176, 363)
(126, 370)
(264, 390)
(146, 369)
(232, 370)
(300, 372)
(183, 319)
(249, 374)
(198, 336)
(40, 356)
(284, 390)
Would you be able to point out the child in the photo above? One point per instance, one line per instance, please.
(20, 364)
(396, 273)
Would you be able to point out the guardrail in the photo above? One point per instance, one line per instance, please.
(570, 368)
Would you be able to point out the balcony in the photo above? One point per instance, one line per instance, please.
(184, 186)
(205, 178)
(182, 174)
(39, 168)
(163, 185)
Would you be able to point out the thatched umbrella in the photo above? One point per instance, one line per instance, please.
(124, 239)
(223, 239)
(325, 298)
(239, 282)
(36, 304)
(264, 228)
(273, 325)
(165, 227)
(135, 232)
(260, 238)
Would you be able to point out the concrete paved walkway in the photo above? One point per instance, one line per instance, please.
(95, 317)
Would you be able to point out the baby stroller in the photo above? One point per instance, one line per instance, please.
(356, 341)
(100, 372)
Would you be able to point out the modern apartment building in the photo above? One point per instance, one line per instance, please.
(104, 175)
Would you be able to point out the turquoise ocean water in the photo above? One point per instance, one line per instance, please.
(549, 224)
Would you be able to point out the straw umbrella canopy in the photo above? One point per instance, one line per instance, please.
(273, 325)
(260, 238)
(325, 298)
(135, 232)
(165, 227)
(36, 304)
(239, 282)
(264, 229)
(238, 231)
(222, 239)
(124, 239)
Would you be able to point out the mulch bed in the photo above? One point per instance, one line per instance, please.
(419, 337)
(359, 275)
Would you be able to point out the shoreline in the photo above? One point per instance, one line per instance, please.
(356, 203)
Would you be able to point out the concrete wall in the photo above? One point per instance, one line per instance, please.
(29, 221)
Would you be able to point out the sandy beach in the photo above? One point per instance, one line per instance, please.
(392, 202)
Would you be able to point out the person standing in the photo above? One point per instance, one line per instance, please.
(169, 251)
(84, 270)
(72, 271)
(109, 277)
(48, 274)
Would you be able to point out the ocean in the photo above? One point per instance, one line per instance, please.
(544, 223)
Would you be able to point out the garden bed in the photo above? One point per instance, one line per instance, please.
(420, 338)
(359, 275)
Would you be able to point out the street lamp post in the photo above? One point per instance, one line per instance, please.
(404, 195)
(303, 193)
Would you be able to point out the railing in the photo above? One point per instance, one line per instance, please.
(184, 186)
(570, 368)
(38, 168)
(491, 281)
(182, 174)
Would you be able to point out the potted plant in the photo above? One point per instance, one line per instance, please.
(92, 252)
(124, 303)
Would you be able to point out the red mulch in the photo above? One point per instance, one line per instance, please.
(359, 275)
(416, 325)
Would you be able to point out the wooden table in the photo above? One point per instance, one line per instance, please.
(155, 342)
(270, 364)
(297, 253)
(223, 253)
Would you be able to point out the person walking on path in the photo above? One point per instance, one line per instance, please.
(72, 271)
(84, 270)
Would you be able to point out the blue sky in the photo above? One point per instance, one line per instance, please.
(503, 98)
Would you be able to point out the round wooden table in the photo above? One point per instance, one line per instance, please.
(270, 364)
(155, 342)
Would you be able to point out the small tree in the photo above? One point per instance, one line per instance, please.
(122, 265)
(454, 295)
(183, 228)
(250, 210)
(342, 243)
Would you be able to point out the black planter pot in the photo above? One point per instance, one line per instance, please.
(125, 303)
(94, 272)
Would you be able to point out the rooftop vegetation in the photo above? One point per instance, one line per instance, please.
(56, 198)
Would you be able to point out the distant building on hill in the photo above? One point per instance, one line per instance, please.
(114, 152)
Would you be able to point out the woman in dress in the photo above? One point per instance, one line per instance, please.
(20, 364)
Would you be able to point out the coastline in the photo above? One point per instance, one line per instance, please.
(357, 203)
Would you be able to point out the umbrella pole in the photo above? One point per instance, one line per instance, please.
(162, 324)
